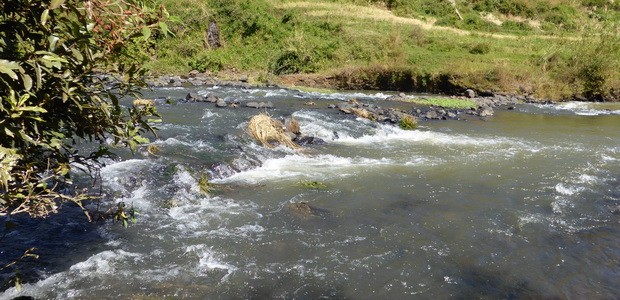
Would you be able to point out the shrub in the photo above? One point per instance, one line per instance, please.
(480, 48)
(407, 123)
(206, 62)
(51, 96)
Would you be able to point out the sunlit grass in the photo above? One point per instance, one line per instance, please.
(452, 103)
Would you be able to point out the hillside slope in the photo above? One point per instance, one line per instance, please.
(551, 49)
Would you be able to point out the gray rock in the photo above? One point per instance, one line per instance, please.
(469, 93)
(220, 103)
(451, 115)
(212, 98)
(486, 112)
(431, 115)
(252, 104)
(193, 73)
(309, 140)
(243, 78)
(193, 97)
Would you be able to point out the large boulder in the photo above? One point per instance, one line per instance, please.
(469, 93)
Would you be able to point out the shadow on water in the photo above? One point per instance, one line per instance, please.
(60, 241)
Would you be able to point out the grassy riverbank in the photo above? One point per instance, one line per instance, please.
(550, 49)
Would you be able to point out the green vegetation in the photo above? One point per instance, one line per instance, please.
(518, 46)
(313, 185)
(407, 123)
(445, 102)
(204, 185)
(51, 96)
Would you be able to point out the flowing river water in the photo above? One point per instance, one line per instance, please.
(525, 204)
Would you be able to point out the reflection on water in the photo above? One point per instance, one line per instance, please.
(524, 205)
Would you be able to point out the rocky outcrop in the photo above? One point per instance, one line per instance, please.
(374, 112)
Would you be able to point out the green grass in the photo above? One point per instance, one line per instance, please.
(357, 49)
(452, 103)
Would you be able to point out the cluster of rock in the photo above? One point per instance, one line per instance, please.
(373, 112)
(219, 102)
(195, 78)
(484, 106)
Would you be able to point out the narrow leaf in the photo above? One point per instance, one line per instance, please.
(27, 82)
(44, 16)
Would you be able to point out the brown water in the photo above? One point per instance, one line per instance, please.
(523, 205)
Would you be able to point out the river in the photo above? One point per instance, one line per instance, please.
(525, 204)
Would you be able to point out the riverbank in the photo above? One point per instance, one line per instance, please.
(329, 45)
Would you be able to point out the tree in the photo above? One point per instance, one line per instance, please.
(53, 92)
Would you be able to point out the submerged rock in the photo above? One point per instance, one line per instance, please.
(309, 140)
(304, 211)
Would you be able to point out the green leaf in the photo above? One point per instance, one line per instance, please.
(45, 16)
(8, 132)
(146, 33)
(141, 139)
(56, 3)
(39, 76)
(164, 28)
(53, 40)
(7, 67)
(27, 82)
(33, 109)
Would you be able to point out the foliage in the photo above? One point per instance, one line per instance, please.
(52, 96)
(313, 185)
(204, 185)
(124, 215)
(290, 62)
(407, 123)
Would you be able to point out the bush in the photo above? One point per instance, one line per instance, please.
(407, 123)
(290, 62)
(51, 96)
(206, 62)
(480, 48)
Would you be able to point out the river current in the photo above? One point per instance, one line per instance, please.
(525, 204)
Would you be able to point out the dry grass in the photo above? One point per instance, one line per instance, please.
(143, 102)
(268, 130)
